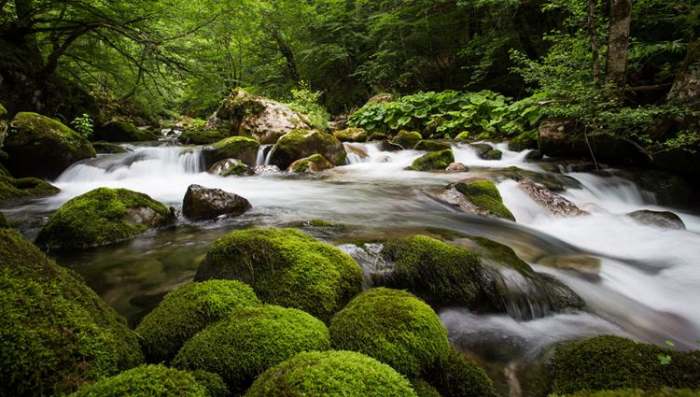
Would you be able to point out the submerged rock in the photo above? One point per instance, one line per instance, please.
(242, 113)
(486, 151)
(351, 135)
(433, 161)
(388, 146)
(553, 202)
(300, 144)
(123, 131)
(552, 181)
(407, 139)
(242, 148)
(662, 219)
(201, 203)
(43, 147)
(102, 217)
(313, 163)
(476, 196)
(56, 332)
(229, 167)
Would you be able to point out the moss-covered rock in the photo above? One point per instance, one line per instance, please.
(456, 376)
(56, 333)
(251, 340)
(108, 148)
(483, 194)
(188, 310)
(3, 221)
(524, 141)
(299, 144)
(378, 136)
(12, 189)
(242, 148)
(333, 373)
(149, 381)
(229, 167)
(102, 217)
(486, 151)
(433, 161)
(407, 139)
(424, 389)
(313, 163)
(394, 327)
(285, 267)
(664, 392)
(202, 136)
(463, 136)
(43, 147)
(351, 135)
(430, 145)
(123, 131)
(612, 362)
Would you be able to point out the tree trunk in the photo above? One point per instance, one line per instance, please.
(287, 53)
(618, 41)
(686, 87)
(593, 32)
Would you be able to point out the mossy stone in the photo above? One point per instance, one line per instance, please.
(202, 136)
(486, 151)
(524, 141)
(484, 195)
(430, 145)
(249, 341)
(12, 189)
(457, 376)
(433, 161)
(664, 392)
(108, 148)
(313, 163)
(123, 131)
(351, 135)
(407, 139)
(3, 221)
(40, 146)
(424, 389)
(102, 217)
(229, 167)
(242, 148)
(332, 373)
(148, 381)
(301, 143)
(285, 267)
(394, 327)
(463, 136)
(188, 310)
(56, 332)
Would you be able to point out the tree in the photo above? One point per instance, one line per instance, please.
(618, 41)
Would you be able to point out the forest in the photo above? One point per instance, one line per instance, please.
(419, 198)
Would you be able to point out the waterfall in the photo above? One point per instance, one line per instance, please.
(263, 157)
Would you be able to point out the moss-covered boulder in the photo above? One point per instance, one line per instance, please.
(351, 135)
(123, 131)
(299, 144)
(108, 148)
(394, 327)
(425, 389)
(457, 376)
(407, 139)
(56, 333)
(332, 373)
(242, 148)
(463, 136)
(188, 310)
(201, 203)
(102, 217)
(430, 145)
(43, 147)
(484, 196)
(149, 381)
(12, 189)
(433, 161)
(612, 362)
(524, 141)
(313, 163)
(663, 392)
(251, 340)
(285, 267)
(201, 136)
(230, 167)
(486, 151)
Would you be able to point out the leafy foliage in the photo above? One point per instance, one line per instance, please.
(83, 125)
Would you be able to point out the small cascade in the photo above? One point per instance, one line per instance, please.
(262, 157)
(468, 155)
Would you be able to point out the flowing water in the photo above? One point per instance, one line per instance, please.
(637, 280)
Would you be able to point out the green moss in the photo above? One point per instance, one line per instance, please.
(430, 145)
(230, 167)
(212, 382)
(440, 273)
(433, 161)
(313, 163)
(202, 136)
(378, 136)
(463, 136)
(501, 255)
(394, 327)
(3, 111)
(251, 340)
(333, 373)
(526, 140)
(147, 381)
(102, 217)
(456, 376)
(611, 362)
(300, 143)
(665, 392)
(24, 188)
(351, 135)
(486, 151)
(285, 267)
(56, 332)
(123, 131)
(3, 221)
(424, 389)
(188, 310)
(236, 147)
(484, 194)
(108, 148)
(407, 139)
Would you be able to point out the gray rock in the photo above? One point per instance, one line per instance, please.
(229, 167)
(553, 202)
(457, 167)
(201, 203)
(662, 219)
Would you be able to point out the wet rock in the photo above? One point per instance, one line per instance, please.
(478, 197)
(13, 190)
(245, 114)
(586, 265)
(123, 131)
(486, 152)
(534, 155)
(266, 170)
(407, 139)
(351, 135)
(524, 141)
(108, 148)
(313, 163)
(378, 136)
(433, 161)
(299, 144)
(662, 219)
(43, 147)
(457, 167)
(356, 150)
(201, 203)
(552, 181)
(667, 189)
(242, 148)
(554, 203)
(430, 145)
(229, 167)
(388, 146)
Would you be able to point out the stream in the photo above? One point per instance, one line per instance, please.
(638, 281)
